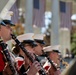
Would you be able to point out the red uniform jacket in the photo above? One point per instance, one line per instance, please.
(2, 62)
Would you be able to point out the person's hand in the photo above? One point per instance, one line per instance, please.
(32, 55)
(35, 67)
(7, 70)
(57, 72)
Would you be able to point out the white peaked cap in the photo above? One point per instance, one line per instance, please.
(51, 48)
(39, 36)
(47, 49)
(27, 36)
(8, 15)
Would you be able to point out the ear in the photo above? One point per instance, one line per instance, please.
(0, 27)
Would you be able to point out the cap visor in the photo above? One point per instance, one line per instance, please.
(2, 23)
(40, 41)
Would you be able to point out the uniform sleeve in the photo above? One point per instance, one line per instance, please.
(2, 63)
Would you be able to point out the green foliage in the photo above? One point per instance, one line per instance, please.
(74, 35)
(73, 43)
(75, 0)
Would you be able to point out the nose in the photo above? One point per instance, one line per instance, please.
(11, 29)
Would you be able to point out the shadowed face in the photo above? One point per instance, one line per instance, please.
(29, 48)
(55, 57)
(5, 32)
(38, 49)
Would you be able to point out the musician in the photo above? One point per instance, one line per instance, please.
(29, 45)
(54, 54)
(39, 39)
(2, 64)
(5, 31)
